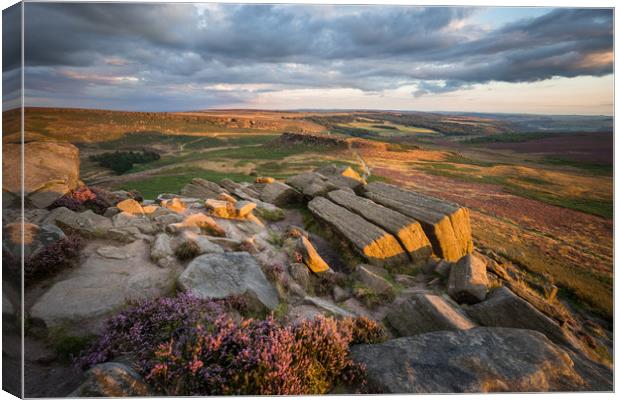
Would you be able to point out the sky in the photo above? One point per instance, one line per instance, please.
(169, 57)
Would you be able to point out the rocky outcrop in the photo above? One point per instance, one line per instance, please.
(371, 242)
(504, 308)
(112, 379)
(102, 286)
(425, 312)
(446, 224)
(469, 361)
(220, 275)
(279, 194)
(51, 169)
(202, 189)
(468, 280)
(407, 230)
(325, 179)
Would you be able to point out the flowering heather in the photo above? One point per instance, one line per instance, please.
(52, 258)
(84, 198)
(189, 346)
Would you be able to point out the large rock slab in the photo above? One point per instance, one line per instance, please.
(505, 309)
(468, 280)
(279, 194)
(219, 275)
(51, 169)
(446, 224)
(371, 242)
(471, 361)
(407, 230)
(425, 312)
(100, 287)
(202, 189)
(86, 223)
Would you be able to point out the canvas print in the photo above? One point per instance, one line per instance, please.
(206, 199)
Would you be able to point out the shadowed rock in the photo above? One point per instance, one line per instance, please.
(373, 243)
(470, 361)
(425, 312)
(468, 280)
(506, 309)
(406, 229)
(279, 194)
(86, 223)
(446, 224)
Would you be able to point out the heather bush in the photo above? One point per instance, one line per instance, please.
(84, 198)
(52, 259)
(187, 346)
(140, 328)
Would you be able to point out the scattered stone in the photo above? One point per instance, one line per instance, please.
(140, 221)
(471, 361)
(110, 212)
(112, 252)
(219, 275)
(175, 204)
(425, 312)
(442, 268)
(280, 194)
(406, 229)
(226, 197)
(162, 250)
(198, 222)
(327, 307)
(51, 169)
(340, 294)
(370, 241)
(112, 379)
(310, 256)
(86, 223)
(100, 287)
(505, 309)
(130, 206)
(468, 280)
(167, 219)
(372, 280)
(265, 179)
(244, 208)
(446, 224)
(300, 274)
(204, 244)
(202, 189)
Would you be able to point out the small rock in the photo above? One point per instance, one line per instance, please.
(130, 206)
(204, 244)
(140, 221)
(86, 223)
(111, 211)
(301, 274)
(265, 179)
(162, 248)
(112, 379)
(198, 222)
(310, 256)
(327, 307)
(468, 280)
(340, 294)
(226, 197)
(175, 204)
(243, 208)
(150, 209)
(167, 219)
(112, 252)
(372, 280)
(222, 209)
(443, 268)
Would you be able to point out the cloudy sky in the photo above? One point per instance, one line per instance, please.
(188, 57)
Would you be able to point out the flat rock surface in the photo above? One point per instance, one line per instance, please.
(101, 286)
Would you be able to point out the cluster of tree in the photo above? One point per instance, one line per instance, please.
(123, 161)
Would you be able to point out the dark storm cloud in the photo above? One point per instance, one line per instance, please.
(143, 50)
